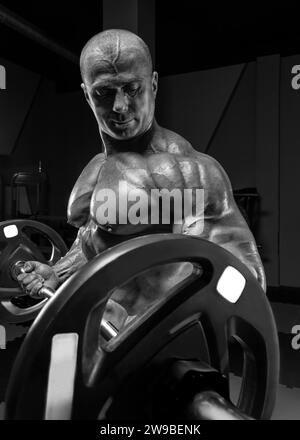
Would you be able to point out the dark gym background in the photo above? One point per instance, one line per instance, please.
(225, 85)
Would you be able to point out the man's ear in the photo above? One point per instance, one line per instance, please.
(154, 82)
(85, 93)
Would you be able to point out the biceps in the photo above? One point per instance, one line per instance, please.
(77, 244)
(233, 233)
(73, 260)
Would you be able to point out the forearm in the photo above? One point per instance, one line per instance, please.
(240, 242)
(247, 252)
(72, 261)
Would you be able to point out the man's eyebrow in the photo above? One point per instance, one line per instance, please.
(109, 84)
(100, 86)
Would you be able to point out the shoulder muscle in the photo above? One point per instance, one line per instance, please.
(217, 184)
(79, 201)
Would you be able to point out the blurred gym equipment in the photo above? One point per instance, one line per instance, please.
(24, 240)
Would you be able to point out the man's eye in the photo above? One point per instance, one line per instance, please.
(102, 93)
(131, 90)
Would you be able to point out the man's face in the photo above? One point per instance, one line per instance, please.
(121, 96)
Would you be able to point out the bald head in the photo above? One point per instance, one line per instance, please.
(118, 83)
(109, 49)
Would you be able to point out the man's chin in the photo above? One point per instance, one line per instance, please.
(124, 133)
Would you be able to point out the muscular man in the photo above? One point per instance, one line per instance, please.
(120, 87)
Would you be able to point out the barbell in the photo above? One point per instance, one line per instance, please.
(65, 370)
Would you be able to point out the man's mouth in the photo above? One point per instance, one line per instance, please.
(122, 123)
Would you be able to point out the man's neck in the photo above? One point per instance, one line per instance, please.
(139, 144)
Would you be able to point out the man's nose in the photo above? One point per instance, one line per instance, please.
(120, 102)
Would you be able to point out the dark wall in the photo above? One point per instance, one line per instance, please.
(193, 104)
(56, 128)
(215, 111)
(289, 175)
(233, 143)
(15, 100)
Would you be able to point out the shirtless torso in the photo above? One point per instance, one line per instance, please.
(164, 160)
(120, 87)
